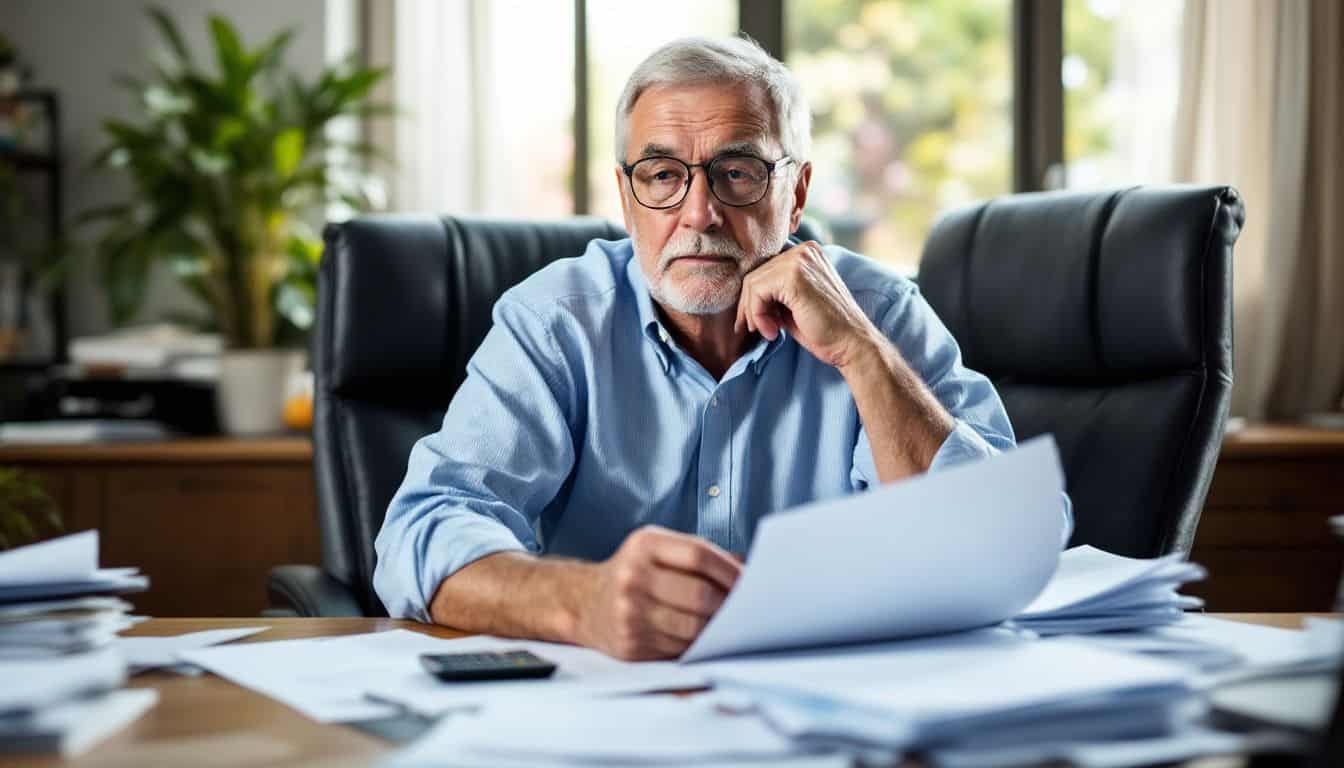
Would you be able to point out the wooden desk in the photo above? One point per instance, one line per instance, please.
(208, 721)
(205, 518)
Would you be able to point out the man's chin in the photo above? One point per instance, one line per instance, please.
(688, 297)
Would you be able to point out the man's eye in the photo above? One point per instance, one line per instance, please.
(664, 176)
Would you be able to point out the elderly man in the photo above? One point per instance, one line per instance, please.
(635, 411)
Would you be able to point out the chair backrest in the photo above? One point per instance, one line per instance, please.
(1106, 319)
(403, 303)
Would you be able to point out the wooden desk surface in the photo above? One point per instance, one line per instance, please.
(207, 721)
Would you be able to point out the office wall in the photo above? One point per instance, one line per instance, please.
(77, 46)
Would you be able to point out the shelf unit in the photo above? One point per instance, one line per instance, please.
(50, 166)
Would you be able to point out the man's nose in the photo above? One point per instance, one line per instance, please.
(701, 210)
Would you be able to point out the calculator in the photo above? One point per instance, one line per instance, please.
(504, 665)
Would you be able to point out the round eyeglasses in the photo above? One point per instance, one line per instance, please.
(661, 182)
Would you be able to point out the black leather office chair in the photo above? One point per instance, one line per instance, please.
(405, 300)
(1105, 319)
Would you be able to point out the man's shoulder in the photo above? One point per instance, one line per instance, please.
(587, 280)
(874, 285)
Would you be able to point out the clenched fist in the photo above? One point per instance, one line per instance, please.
(651, 599)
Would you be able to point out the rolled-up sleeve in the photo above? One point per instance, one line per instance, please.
(980, 423)
(477, 486)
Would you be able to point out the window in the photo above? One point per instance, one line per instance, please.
(1121, 76)
(620, 35)
(912, 113)
(913, 101)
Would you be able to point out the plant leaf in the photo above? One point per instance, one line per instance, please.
(168, 28)
(228, 48)
(288, 151)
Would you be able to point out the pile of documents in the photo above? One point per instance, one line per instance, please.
(59, 616)
(1096, 591)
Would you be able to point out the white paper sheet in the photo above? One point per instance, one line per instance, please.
(149, 652)
(324, 678)
(65, 558)
(966, 547)
(328, 679)
(582, 673)
(648, 730)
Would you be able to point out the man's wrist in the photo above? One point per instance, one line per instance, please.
(572, 597)
(870, 354)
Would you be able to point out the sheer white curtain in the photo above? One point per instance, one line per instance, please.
(486, 93)
(1260, 109)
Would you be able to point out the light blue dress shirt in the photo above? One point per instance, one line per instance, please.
(581, 420)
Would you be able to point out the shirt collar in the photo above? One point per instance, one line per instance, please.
(654, 331)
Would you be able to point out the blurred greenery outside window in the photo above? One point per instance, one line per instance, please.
(912, 113)
(912, 106)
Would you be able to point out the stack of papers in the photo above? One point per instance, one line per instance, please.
(987, 689)
(58, 619)
(1096, 591)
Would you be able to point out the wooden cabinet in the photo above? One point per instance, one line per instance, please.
(205, 519)
(1265, 535)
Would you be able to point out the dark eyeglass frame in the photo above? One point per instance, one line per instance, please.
(770, 166)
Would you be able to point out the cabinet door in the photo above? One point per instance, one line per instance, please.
(208, 535)
(1265, 535)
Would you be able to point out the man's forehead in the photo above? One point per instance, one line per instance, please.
(669, 119)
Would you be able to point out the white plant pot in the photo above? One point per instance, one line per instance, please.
(252, 388)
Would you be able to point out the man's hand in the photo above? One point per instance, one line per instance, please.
(651, 599)
(800, 291)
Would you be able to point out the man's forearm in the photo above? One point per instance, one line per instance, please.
(905, 423)
(513, 594)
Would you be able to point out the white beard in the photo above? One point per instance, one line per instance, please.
(705, 289)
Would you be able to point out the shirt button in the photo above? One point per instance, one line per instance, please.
(714, 491)
(714, 402)
(662, 334)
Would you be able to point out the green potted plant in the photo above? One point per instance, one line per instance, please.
(230, 168)
(25, 509)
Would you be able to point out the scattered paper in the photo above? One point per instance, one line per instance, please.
(643, 731)
(329, 679)
(144, 653)
(581, 673)
(967, 547)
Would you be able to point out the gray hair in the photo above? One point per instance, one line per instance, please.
(729, 61)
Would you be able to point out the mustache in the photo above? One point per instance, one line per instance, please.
(700, 245)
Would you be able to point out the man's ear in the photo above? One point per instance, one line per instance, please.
(625, 204)
(800, 196)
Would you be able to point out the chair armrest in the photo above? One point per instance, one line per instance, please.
(310, 591)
